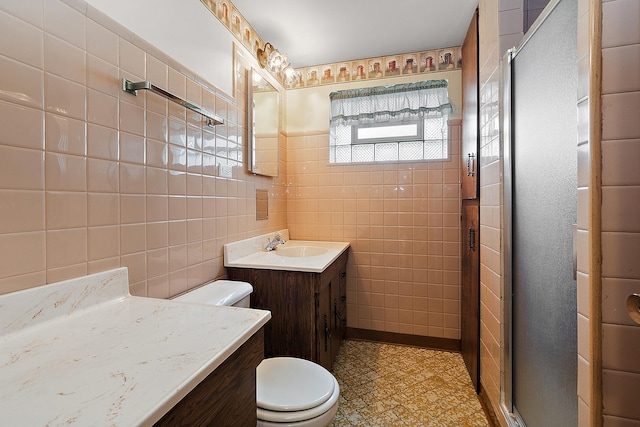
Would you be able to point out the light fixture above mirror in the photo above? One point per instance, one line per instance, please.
(271, 59)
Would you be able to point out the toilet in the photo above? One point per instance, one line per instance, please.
(291, 392)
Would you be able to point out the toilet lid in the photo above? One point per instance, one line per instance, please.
(292, 384)
(320, 415)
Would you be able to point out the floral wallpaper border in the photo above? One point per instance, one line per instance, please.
(363, 69)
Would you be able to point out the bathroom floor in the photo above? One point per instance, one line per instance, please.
(394, 385)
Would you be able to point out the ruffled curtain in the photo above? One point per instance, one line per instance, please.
(392, 104)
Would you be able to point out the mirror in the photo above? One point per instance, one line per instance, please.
(263, 124)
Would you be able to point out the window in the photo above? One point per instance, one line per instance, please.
(406, 122)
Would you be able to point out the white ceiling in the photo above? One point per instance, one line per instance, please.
(313, 32)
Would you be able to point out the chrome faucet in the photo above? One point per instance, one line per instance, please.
(277, 240)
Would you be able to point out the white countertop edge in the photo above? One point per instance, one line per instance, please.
(190, 383)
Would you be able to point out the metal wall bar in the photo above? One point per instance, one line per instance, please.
(132, 88)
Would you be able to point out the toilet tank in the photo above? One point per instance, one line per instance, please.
(220, 292)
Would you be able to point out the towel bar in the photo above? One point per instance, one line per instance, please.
(132, 88)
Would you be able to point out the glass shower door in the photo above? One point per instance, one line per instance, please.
(544, 209)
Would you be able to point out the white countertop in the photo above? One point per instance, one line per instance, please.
(85, 352)
(250, 253)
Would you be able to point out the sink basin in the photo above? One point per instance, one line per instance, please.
(300, 251)
(312, 256)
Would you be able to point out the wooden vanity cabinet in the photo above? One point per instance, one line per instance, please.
(308, 310)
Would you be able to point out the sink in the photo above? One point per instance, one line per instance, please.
(300, 251)
(312, 256)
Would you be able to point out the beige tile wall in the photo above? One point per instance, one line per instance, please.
(490, 11)
(93, 178)
(620, 209)
(403, 222)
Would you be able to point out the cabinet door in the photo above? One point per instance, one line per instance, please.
(323, 327)
(470, 327)
(470, 143)
(289, 295)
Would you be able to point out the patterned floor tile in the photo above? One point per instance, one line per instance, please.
(391, 385)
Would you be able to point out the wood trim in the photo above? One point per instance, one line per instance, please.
(435, 343)
(595, 208)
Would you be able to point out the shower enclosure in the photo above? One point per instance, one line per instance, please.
(540, 208)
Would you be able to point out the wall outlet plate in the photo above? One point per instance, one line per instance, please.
(225, 171)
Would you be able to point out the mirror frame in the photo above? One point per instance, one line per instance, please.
(251, 137)
(244, 63)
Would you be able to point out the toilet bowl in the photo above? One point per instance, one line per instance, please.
(291, 392)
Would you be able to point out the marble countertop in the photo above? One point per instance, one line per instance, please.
(250, 253)
(86, 352)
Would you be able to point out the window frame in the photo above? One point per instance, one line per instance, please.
(444, 143)
(356, 140)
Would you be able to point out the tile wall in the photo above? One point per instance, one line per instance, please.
(403, 222)
(532, 9)
(490, 38)
(584, 385)
(93, 178)
(620, 210)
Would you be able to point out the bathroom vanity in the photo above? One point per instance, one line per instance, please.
(86, 352)
(305, 290)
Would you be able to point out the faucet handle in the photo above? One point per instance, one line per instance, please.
(277, 236)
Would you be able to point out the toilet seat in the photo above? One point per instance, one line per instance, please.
(291, 390)
(329, 409)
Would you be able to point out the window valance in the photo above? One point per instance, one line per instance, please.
(397, 103)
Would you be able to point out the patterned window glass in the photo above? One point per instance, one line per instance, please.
(406, 122)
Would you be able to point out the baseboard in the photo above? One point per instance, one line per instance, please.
(488, 408)
(404, 339)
